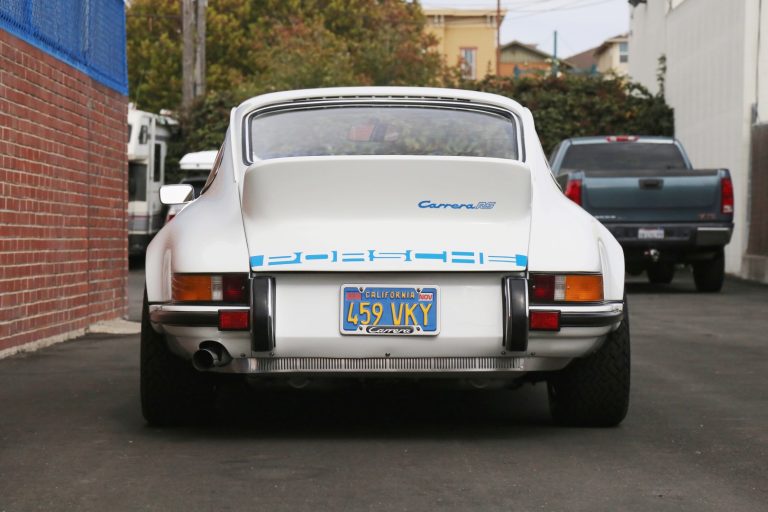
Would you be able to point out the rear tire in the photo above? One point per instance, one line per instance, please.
(661, 272)
(594, 391)
(709, 275)
(172, 392)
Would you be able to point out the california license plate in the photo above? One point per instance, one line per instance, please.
(650, 234)
(401, 310)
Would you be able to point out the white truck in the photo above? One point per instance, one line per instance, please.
(147, 148)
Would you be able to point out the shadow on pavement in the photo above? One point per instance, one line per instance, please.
(383, 411)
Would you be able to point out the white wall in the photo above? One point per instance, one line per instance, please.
(647, 41)
(711, 49)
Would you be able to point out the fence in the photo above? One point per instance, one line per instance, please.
(89, 35)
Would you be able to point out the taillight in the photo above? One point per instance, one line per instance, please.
(234, 320)
(726, 195)
(543, 288)
(573, 191)
(622, 138)
(234, 287)
(544, 321)
(209, 288)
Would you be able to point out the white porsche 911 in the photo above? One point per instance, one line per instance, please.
(384, 233)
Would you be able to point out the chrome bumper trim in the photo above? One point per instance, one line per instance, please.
(372, 365)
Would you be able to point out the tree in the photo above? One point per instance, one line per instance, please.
(267, 45)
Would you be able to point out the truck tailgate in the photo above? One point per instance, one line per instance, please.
(652, 196)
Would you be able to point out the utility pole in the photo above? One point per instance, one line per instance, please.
(498, 37)
(555, 63)
(193, 51)
(200, 50)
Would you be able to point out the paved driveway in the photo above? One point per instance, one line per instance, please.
(696, 438)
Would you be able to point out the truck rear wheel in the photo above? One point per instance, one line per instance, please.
(172, 392)
(661, 272)
(594, 391)
(709, 275)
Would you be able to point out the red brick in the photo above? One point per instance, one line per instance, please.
(63, 257)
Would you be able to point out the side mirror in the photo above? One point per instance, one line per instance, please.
(176, 194)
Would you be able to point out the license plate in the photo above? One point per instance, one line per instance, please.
(402, 310)
(650, 234)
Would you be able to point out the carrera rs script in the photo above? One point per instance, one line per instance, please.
(482, 205)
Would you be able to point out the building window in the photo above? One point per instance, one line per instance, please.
(623, 53)
(468, 62)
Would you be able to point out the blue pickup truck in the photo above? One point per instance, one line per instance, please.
(661, 210)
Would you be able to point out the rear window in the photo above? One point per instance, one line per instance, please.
(623, 156)
(382, 130)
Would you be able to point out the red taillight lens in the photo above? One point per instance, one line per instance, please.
(544, 320)
(235, 287)
(233, 320)
(573, 191)
(542, 288)
(726, 195)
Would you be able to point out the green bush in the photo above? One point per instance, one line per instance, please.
(577, 105)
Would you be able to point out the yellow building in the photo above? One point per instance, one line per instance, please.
(467, 37)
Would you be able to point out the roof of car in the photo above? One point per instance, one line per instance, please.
(599, 139)
(200, 160)
(395, 93)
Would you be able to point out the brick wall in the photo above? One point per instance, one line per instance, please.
(63, 197)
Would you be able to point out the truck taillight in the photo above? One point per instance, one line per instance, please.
(545, 288)
(573, 191)
(726, 195)
(210, 288)
(622, 138)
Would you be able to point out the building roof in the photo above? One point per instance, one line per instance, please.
(532, 49)
(462, 12)
(583, 60)
(621, 38)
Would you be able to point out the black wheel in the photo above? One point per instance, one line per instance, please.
(172, 392)
(661, 272)
(594, 391)
(709, 275)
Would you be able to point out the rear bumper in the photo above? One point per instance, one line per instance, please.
(684, 236)
(454, 352)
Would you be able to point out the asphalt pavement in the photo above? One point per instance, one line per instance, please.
(696, 437)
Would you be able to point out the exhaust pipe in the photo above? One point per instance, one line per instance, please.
(209, 355)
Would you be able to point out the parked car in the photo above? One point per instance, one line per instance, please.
(661, 210)
(197, 166)
(384, 232)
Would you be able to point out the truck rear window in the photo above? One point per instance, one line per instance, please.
(382, 130)
(623, 156)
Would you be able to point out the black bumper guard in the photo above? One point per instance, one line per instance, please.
(514, 292)
(262, 313)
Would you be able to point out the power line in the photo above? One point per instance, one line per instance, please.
(553, 9)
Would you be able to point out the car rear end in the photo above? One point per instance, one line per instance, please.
(389, 251)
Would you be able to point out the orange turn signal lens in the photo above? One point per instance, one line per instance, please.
(231, 288)
(583, 288)
(192, 288)
(546, 288)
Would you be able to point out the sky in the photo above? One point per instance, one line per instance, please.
(581, 24)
